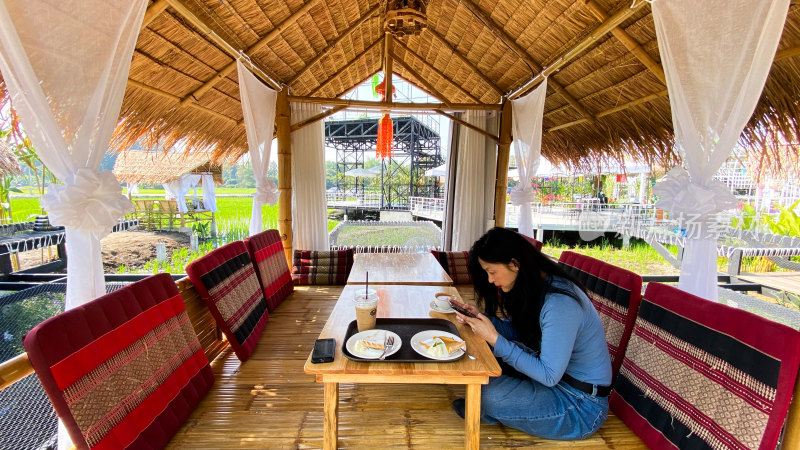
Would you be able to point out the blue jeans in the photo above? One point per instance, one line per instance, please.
(558, 412)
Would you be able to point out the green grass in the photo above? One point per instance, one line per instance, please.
(638, 258)
(367, 235)
(23, 208)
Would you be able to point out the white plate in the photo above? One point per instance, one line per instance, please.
(375, 335)
(447, 310)
(427, 335)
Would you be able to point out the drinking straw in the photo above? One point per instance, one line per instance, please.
(366, 289)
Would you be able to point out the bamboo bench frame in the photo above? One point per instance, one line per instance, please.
(225, 365)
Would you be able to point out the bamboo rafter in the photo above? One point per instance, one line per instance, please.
(469, 125)
(310, 120)
(153, 11)
(628, 41)
(377, 42)
(613, 110)
(369, 14)
(463, 59)
(226, 47)
(364, 80)
(560, 61)
(522, 53)
(177, 100)
(436, 71)
(427, 87)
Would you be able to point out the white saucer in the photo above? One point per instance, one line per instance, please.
(447, 310)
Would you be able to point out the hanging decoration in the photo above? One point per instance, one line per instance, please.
(405, 17)
(385, 126)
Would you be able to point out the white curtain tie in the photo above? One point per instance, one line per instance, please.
(522, 196)
(678, 193)
(91, 201)
(267, 194)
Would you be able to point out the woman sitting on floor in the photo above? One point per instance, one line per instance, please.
(550, 342)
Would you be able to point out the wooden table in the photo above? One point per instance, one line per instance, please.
(398, 268)
(402, 301)
(781, 281)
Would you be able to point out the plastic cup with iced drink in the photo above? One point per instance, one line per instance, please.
(366, 302)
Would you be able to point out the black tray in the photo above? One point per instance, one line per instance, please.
(405, 328)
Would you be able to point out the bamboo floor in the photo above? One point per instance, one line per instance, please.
(268, 402)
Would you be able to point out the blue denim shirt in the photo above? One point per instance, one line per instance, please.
(573, 341)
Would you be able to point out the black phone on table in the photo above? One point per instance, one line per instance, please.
(324, 350)
(461, 310)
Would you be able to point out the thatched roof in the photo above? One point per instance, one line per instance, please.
(156, 167)
(606, 93)
(8, 162)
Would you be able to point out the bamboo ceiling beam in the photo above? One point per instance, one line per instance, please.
(153, 11)
(522, 53)
(232, 51)
(787, 52)
(601, 30)
(628, 41)
(463, 59)
(324, 52)
(424, 107)
(436, 71)
(469, 125)
(613, 110)
(177, 100)
(355, 86)
(353, 61)
(427, 87)
(315, 118)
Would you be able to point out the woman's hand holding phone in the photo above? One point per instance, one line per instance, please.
(480, 324)
(463, 308)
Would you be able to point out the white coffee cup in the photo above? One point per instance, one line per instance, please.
(442, 300)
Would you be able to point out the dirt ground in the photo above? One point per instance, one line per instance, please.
(129, 248)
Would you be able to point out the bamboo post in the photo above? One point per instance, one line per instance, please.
(387, 67)
(283, 123)
(503, 149)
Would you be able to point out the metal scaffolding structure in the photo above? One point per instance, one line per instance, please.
(415, 149)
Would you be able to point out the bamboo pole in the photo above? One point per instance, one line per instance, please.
(177, 99)
(387, 67)
(283, 123)
(603, 29)
(792, 437)
(463, 59)
(638, 101)
(436, 71)
(629, 42)
(335, 42)
(503, 150)
(787, 53)
(416, 84)
(427, 87)
(152, 12)
(340, 71)
(468, 125)
(522, 53)
(320, 116)
(426, 107)
(14, 370)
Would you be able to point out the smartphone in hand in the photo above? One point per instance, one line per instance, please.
(461, 310)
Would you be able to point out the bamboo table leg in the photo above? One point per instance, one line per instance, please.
(472, 417)
(330, 431)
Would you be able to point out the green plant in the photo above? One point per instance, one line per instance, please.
(787, 223)
(202, 229)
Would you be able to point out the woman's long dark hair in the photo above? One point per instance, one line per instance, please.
(523, 303)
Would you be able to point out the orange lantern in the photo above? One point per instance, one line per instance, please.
(385, 137)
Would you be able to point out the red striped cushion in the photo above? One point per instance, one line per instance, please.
(321, 267)
(125, 369)
(227, 283)
(615, 294)
(456, 264)
(537, 244)
(266, 250)
(699, 374)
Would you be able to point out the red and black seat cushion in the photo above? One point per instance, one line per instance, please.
(537, 244)
(321, 267)
(456, 264)
(123, 370)
(266, 251)
(227, 283)
(699, 374)
(615, 294)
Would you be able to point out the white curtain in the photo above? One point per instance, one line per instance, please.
(473, 184)
(66, 64)
(209, 193)
(716, 56)
(178, 189)
(258, 108)
(527, 120)
(309, 210)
